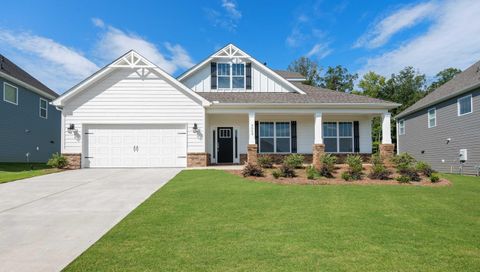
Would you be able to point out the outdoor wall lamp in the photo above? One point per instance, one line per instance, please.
(195, 128)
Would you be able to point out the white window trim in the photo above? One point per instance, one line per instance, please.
(275, 137)
(338, 137)
(231, 77)
(471, 105)
(401, 125)
(16, 89)
(434, 117)
(40, 108)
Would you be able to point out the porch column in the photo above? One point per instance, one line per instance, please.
(318, 146)
(252, 145)
(386, 148)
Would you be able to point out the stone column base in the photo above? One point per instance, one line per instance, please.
(252, 153)
(318, 151)
(387, 152)
(198, 159)
(74, 160)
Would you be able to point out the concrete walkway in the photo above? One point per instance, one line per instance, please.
(47, 221)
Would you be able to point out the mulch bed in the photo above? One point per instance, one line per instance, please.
(301, 178)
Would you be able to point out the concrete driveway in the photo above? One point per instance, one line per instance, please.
(47, 221)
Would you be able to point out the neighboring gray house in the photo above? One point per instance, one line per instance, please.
(28, 123)
(443, 128)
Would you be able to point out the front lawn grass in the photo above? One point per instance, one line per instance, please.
(15, 171)
(209, 220)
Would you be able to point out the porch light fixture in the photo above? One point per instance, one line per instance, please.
(195, 128)
(71, 127)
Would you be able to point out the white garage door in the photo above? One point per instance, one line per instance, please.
(135, 146)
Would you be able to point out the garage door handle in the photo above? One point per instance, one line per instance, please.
(181, 156)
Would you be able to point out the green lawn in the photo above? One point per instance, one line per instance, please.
(16, 171)
(209, 220)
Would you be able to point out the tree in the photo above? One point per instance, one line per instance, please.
(406, 88)
(372, 84)
(339, 79)
(442, 77)
(307, 68)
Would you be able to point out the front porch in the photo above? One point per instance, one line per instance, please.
(235, 136)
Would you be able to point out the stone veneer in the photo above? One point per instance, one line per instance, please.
(74, 160)
(198, 159)
(318, 151)
(387, 151)
(278, 158)
(252, 153)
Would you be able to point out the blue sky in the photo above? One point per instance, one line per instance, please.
(62, 42)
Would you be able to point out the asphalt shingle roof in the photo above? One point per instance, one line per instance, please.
(11, 69)
(456, 86)
(289, 75)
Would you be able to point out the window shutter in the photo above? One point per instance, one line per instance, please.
(248, 76)
(213, 75)
(356, 137)
(293, 127)
(256, 134)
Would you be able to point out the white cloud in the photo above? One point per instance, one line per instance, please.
(452, 41)
(115, 42)
(395, 22)
(56, 65)
(319, 51)
(227, 17)
(232, 9)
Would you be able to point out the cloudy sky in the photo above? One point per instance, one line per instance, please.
(61, 43)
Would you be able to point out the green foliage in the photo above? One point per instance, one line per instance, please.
(403, 179)
(404, 159)
(57, 161)
(307, 68)
(410, 172)
(276, 174)
(379, 171)
(424, 168)
(338, 79)
(328, 165)
(294, 160)
(287, 171)
(251, 169)
(346, 176)
(355, 166)
(443, 77)
(265, 161)
(434, 178)
(312, 173)
(372, 84)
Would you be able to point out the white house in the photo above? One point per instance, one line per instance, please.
(227, 109)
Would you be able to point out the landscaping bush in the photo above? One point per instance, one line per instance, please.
(294, 160)
(424, 168)
(57, 161)
(265, 161)
(328, 165)
(276, 174)
(354, 166)
(410, 173)
(346, 176)
(434, 178)
(251, 169)
(379, 171)
(403, 179)
(403, 158)
(312, 173)
(287, 171)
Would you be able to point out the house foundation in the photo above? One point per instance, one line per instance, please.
(74, 160)
(252, 153)
(198, 159)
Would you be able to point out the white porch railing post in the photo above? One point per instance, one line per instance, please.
(251, 128)
(386, 130)
(318, 139)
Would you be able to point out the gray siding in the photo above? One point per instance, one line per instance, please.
(464, 132)
(22, 130)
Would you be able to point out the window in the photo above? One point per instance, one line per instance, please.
(43, 108)
(401, 127)
(432, 117)
(231, 76)
(223, 75)
(275, 137)
(338, 137)
(464, 105)
(10, 93)
(224, 133)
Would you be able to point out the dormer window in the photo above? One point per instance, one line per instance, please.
(231, 75)
(238, 76)
(223, 75)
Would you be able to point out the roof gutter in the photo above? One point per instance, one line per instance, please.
(26, 85)
(305, 105)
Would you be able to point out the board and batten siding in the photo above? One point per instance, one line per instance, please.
(261, 81)
(464, 132)
(128, 96)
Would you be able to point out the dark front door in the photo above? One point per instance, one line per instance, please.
(225, 144)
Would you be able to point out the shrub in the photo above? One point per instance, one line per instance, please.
(434, 178)
(265, 161)
(276, 174)
(379, 171)
(354, 166)
(376, 159)
(424, 168)
(328, 165)
(403, 179)
(251, 169)
(287, 171)
(410, 173)
(294, 160)
(57, 161)
(346, 176)
(403, 158)
(312, 173)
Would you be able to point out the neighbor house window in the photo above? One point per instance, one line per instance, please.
(464, 105)
(43, 108)
(231, 75)
(275, 137)
(401, 127)
(432, 117)
(10, 93)
(338, 137)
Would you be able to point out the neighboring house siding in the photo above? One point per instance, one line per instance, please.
(24, 131)
(464, 132)
(127, 97)
(261, 81)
